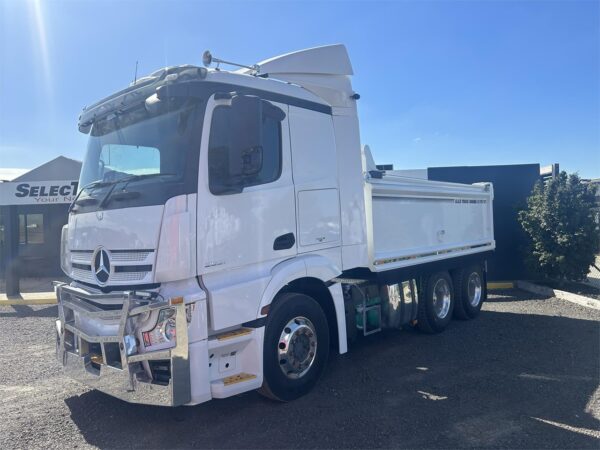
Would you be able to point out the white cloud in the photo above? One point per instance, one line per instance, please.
(416, 140)
(10, 174)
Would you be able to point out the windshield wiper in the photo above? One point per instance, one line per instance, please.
(122, 194)
(125, 195)
(143, 176)
(87, 200)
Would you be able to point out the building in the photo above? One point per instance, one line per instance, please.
(33, 209)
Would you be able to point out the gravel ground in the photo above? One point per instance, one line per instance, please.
(587, 290)
(525, 374)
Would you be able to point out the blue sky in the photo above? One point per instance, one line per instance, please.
(441, 83)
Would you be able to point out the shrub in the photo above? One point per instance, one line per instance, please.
(564, 237)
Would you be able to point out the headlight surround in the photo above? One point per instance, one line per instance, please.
(65, 253)
(164, 331)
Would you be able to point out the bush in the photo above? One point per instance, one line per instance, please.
(564, 237)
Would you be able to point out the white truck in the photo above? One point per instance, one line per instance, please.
(229, 230)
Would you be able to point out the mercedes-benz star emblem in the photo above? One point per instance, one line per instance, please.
(101, 266)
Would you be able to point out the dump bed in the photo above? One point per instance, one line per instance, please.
(414, 221)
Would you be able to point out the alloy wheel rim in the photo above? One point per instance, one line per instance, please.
(441, 298)
(297, 347)
(474, 289)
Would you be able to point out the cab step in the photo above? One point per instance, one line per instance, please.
(231, 340)
(235, 384)
(234, 334)
(239, 378)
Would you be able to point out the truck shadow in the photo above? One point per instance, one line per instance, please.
(504, 380)
(513, 295)
(22, 311)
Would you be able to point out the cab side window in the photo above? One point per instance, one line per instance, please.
(219, 180)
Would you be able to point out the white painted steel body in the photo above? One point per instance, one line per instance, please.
(416, 221)
(217, 253)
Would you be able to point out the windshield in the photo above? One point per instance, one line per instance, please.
(137, 147)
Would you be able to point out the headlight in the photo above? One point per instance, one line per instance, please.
(65, 254)
(163, 331)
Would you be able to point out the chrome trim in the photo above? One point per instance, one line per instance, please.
(382, 261)
(159, 354)
(89, 310)
(474, 289)
(104, 266)
(130, 381)
(442, 297)
(111, 298)
(297, 347)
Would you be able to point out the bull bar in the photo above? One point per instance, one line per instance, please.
(86, 357)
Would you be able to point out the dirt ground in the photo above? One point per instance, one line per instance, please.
(525, 374)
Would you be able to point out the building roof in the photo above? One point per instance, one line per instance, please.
(9, 174)
(60, 168)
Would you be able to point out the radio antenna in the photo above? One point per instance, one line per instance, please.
(135, 74)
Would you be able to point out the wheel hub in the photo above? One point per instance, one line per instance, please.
(297, 347)
(441, 298)
(474, 289)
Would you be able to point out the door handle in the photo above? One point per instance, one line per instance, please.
(284, 242)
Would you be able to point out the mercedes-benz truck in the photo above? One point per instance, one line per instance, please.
(230, 230)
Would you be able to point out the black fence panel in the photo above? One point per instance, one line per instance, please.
(512, 186)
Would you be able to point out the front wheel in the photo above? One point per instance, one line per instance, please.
(296, 347)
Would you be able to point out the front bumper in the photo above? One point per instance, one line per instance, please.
(111, 362)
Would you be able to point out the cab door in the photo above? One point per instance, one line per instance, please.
(243, 231)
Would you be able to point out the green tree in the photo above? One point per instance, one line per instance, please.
(564, 237)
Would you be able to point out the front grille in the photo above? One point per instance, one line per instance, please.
(123, 277)
(127, 266)
(82, 257)
(82, 274)
(133, 256)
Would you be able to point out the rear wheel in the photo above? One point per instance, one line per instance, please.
(470, 292)
(436, 303)
(296, 347)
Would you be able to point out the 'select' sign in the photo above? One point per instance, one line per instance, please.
(37, 192)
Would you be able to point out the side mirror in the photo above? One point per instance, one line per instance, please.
(246, 152)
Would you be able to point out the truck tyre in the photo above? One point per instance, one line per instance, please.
(296, 347)
(469, 292)
(436, 303)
